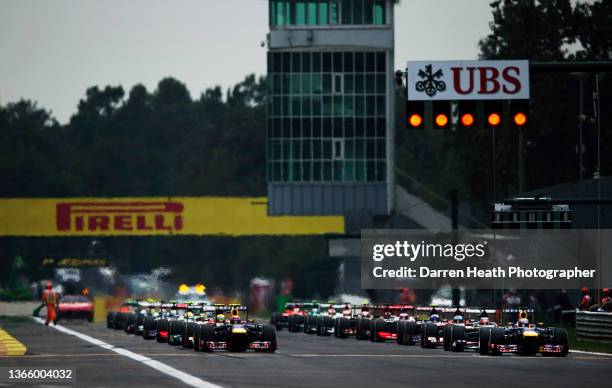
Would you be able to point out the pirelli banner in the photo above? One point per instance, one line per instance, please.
(197, 216)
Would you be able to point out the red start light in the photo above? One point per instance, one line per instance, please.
(494, 119)
(520, 119)
(415, 120)
(467, 119)
(441, 120)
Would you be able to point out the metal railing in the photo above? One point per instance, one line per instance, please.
(594, 325)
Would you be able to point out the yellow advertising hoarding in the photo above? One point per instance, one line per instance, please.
(155, 216)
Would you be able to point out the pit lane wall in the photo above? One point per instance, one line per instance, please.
(163, 216)
(594, 326)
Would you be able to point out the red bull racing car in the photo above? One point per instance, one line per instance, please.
(233, 333)
(522, 337)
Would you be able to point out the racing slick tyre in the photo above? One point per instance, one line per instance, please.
(446, 338)
(119, 321)
(560, 338)
(207, 334)
(175, 328)
(319, 323)
(196, 338)
(484, 337)
(363, 325)
(497, 338)
(309, 324)
(406, 330)
(342, 327)
(401, 329)
(294, 323)
(268, 333)
(275, 320)
(148, 325)
(110, 317)
(327, 323)
(187, 332)
(130, 323)
(457, 334)
(376, 326)
(139, 323)
(428, 330)
(162, 325)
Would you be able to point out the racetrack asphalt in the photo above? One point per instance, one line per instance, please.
(301, 361)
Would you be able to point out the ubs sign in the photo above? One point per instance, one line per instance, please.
(468, 80)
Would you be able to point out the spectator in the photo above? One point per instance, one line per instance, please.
(586, 301)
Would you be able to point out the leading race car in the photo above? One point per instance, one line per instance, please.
(522, 337)
(235, 334)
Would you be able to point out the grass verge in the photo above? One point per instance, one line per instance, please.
(588, 346)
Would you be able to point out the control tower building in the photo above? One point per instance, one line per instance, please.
(331, 111)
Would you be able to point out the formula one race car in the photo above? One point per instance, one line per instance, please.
(134, 320)
(310, 321)
(463, 333)
(329, 314)
(293, 317)
(174, 323)
(426, 326)
(117, 319)
(522, 337)
(75, 306)
(234, 334)
(385, 326)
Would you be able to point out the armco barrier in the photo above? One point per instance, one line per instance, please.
(595, 326)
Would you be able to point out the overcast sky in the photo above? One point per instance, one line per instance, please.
(52, 50)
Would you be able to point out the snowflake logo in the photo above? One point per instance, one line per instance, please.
(430, 82)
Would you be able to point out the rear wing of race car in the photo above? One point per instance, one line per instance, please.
(378, 310)
(475, 314)
(303, 305)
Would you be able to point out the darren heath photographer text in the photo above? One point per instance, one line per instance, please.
(458, 252)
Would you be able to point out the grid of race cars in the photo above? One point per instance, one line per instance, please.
(204, 326)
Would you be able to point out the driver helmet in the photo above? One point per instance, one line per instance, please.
(434, 318)
(458, 318)
(606, 291)
(387, 314)
(484, 320)
(220, 318)
(365, 312)
(49, 286)
(235, 318)
(523, 322)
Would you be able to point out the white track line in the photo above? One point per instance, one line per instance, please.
(158, 366)
(591, 353)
